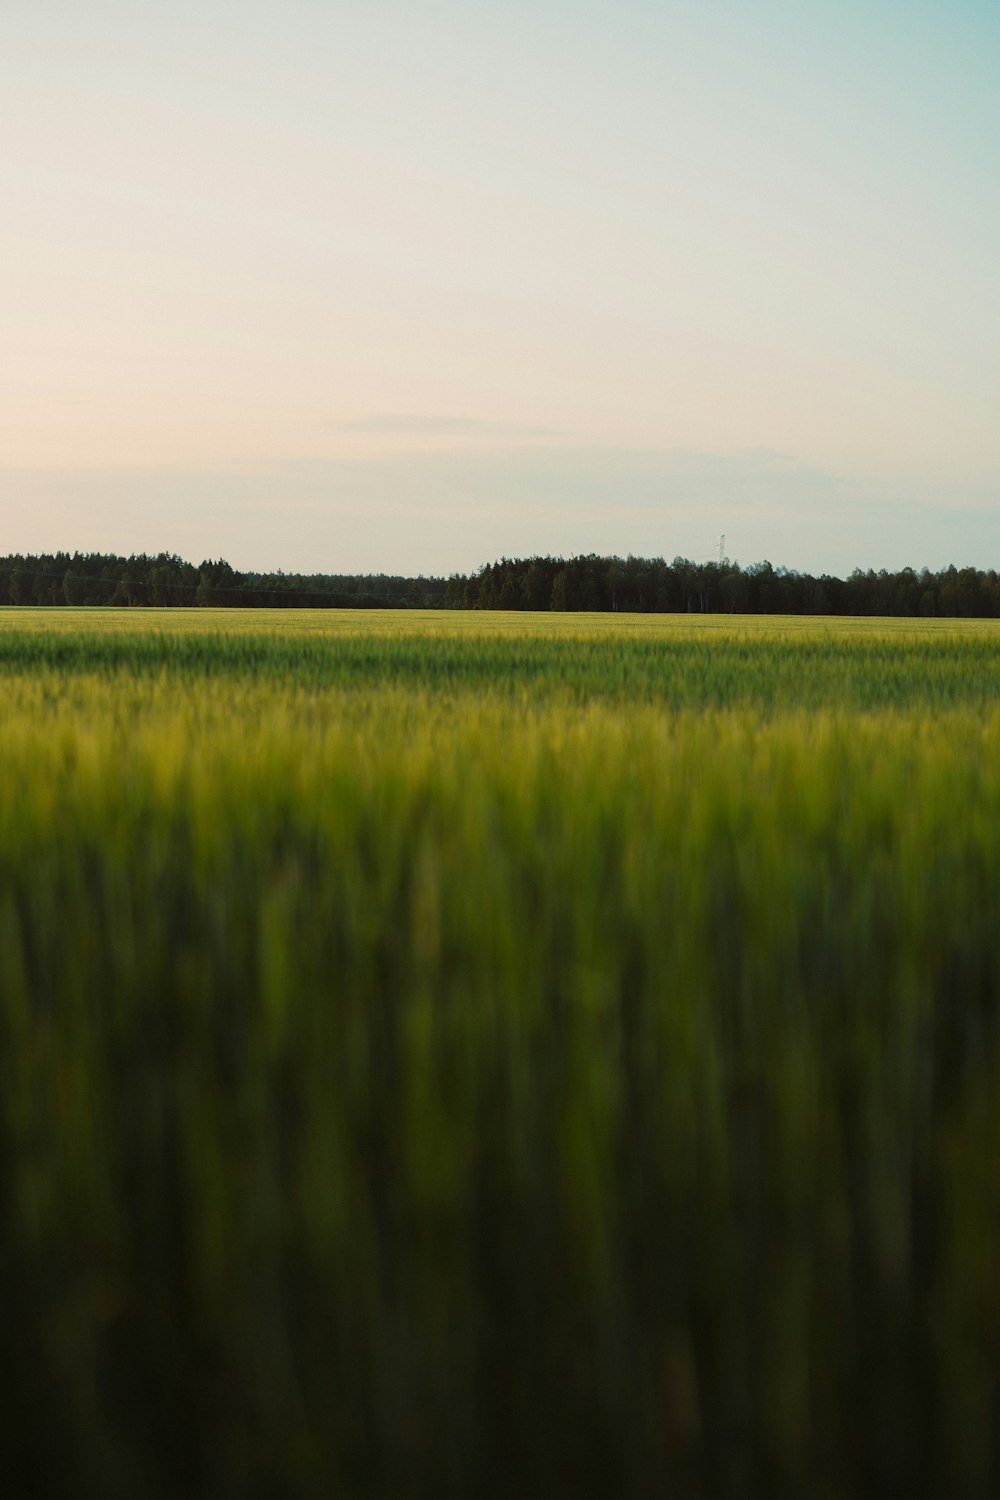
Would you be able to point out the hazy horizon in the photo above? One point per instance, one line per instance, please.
(409, 287)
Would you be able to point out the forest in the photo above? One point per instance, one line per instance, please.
(592, 583)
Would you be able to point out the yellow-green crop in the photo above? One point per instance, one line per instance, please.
(499, 1055)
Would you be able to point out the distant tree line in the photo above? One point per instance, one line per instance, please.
(95, 578)
(638, 584)
(643, 585)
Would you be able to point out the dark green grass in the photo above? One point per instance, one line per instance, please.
(479, 1083)
(700, 662)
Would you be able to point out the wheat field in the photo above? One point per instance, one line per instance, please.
(489, 1054)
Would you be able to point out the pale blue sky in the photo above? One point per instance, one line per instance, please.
(407, 286)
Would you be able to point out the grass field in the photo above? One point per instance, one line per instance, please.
(498, 1055)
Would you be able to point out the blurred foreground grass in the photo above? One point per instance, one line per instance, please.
(498, 1057)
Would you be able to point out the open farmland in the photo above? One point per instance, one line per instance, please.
(506, 1055)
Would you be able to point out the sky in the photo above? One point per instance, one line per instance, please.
(405, 287)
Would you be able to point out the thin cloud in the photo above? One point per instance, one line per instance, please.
(457, 507)
(412, 424)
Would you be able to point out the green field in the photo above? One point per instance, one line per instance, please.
(457, 1055)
